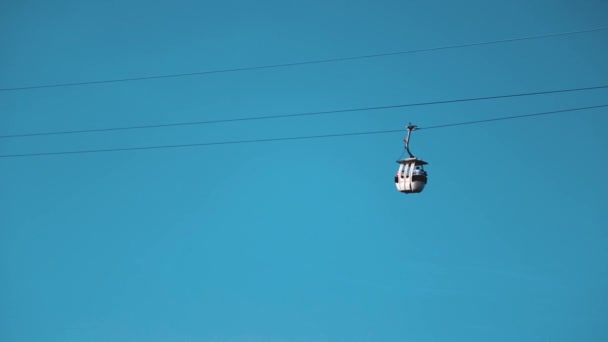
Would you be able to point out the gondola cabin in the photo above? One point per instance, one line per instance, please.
(411, 176)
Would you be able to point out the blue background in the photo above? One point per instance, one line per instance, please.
(302, 240)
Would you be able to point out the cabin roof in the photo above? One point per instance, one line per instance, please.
(414, 161)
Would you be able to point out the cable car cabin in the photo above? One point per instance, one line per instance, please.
(411, 177)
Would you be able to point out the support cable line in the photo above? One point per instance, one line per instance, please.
(319, 61)
(326, 112)
(294, 138)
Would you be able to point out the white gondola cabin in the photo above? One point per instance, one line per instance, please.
(411, 177)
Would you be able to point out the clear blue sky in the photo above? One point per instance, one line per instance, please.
(302, 240)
